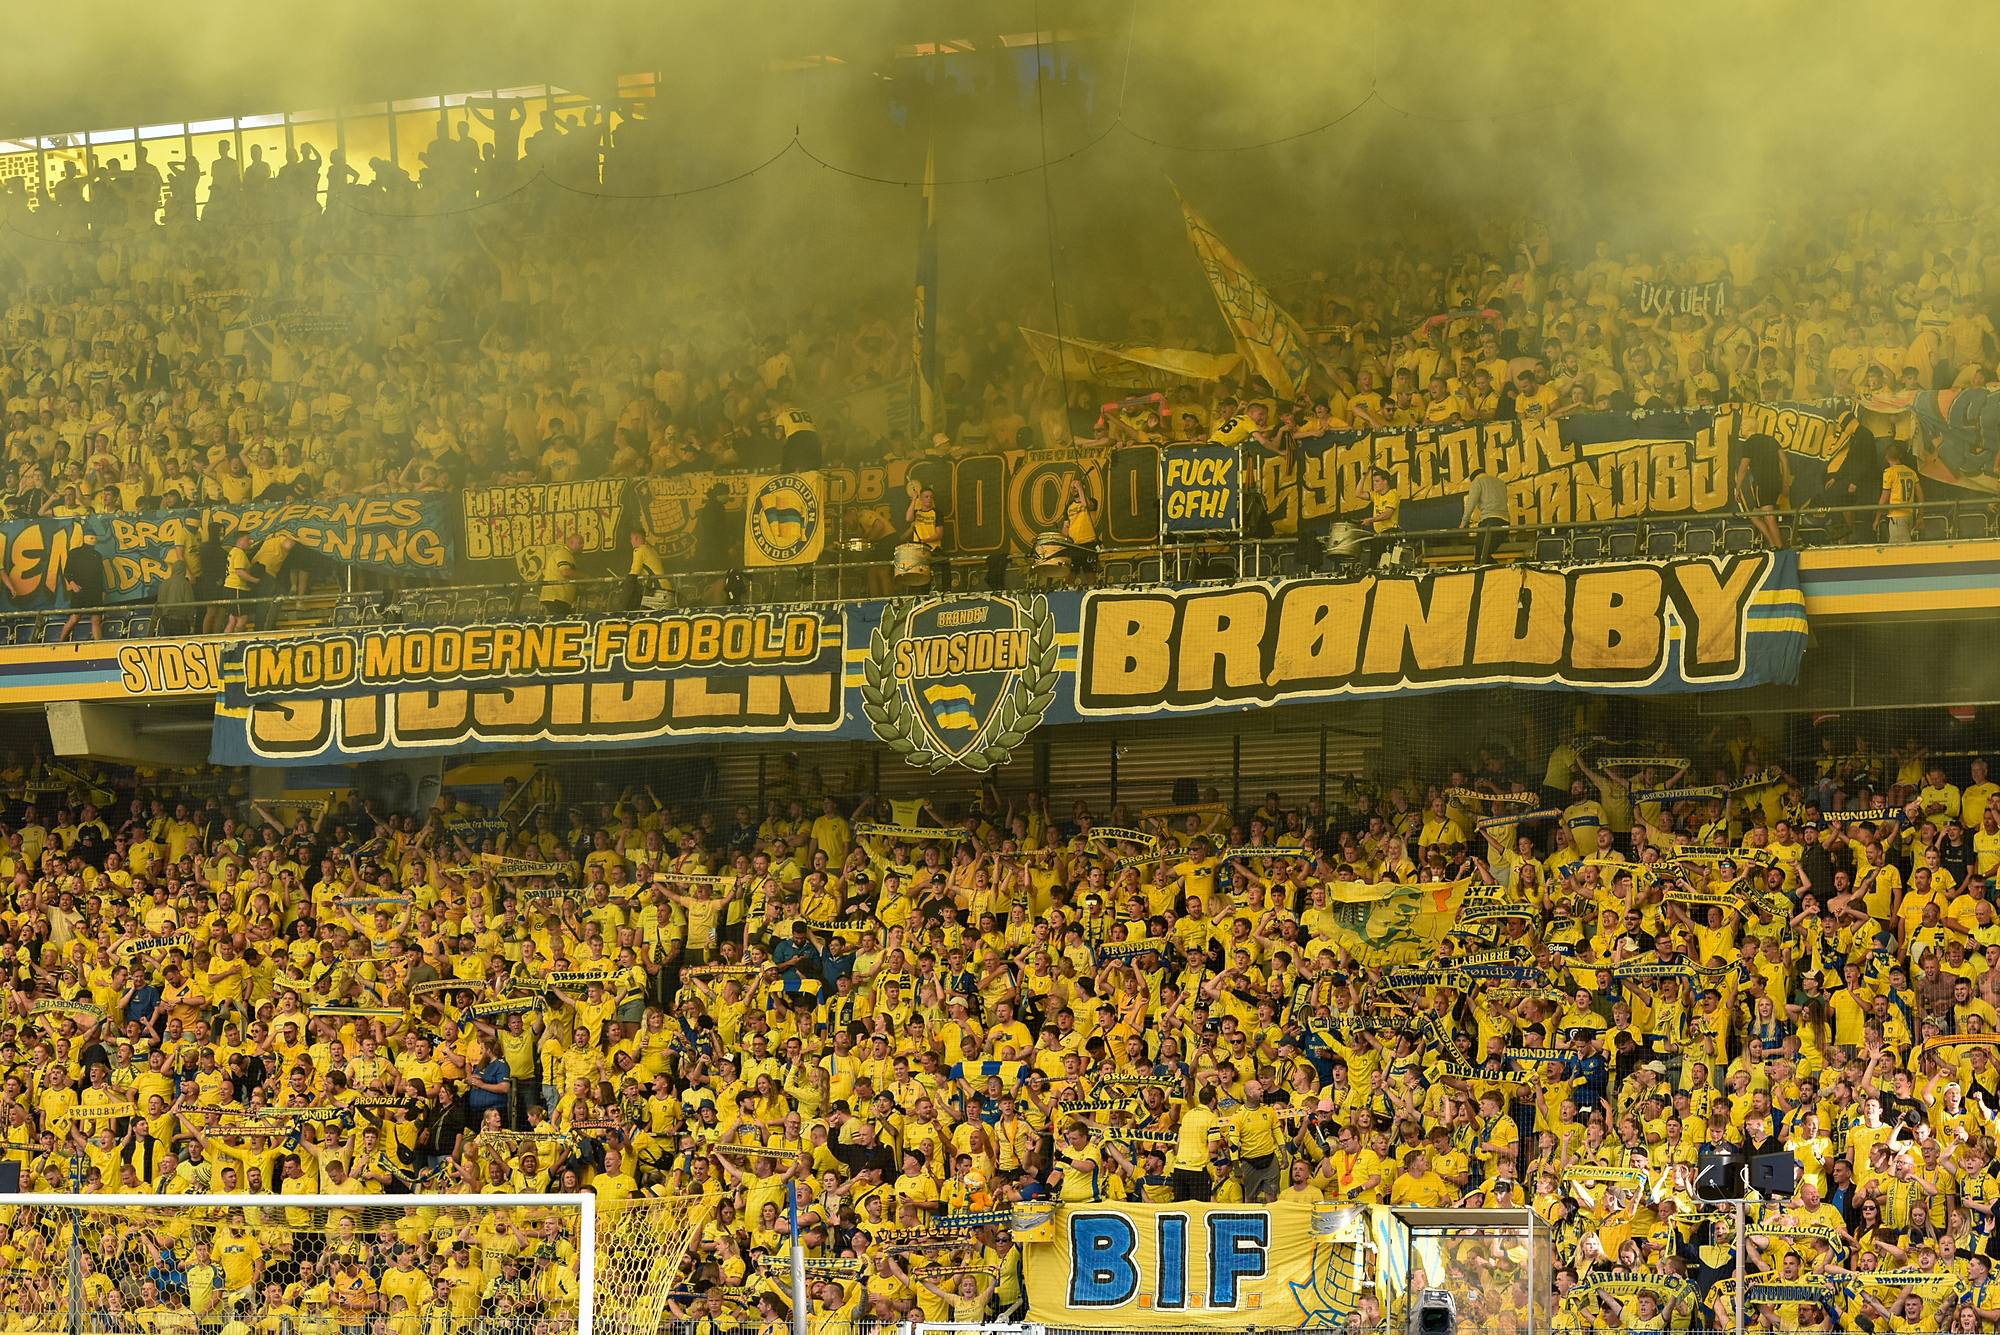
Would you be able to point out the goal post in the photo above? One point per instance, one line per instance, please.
(438, 1264)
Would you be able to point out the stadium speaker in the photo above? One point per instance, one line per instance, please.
(10, 1178)
(1719, 1177)
(1435, 1312)
(1774, 1174)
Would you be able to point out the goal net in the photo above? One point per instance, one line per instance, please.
(441, 1264)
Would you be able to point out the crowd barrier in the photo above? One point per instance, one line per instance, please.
(845, 575)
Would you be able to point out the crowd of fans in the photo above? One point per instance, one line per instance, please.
(895, 1024)
(309, 334)
(1003, 1002)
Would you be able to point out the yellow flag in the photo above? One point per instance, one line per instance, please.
(1388, 924)
(1126, 366)
(1271, 339)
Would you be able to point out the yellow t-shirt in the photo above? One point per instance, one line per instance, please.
(239, 570)
(1082, 529)
(1385, 509)
(1900, 482)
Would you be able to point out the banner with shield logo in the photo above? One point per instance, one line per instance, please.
(960, 681)
(784, 519)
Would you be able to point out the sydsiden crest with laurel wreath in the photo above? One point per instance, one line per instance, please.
(960, 680)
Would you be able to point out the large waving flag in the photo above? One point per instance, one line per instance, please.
(1126, 366)
(1386, 924)
(1271, 339)
(926, 378)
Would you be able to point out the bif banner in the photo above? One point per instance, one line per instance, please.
(409, 536)
(1128, 1264)
(1201, 489)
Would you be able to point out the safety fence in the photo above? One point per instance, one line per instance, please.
(846, 574)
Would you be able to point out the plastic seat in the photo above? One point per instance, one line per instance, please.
(1934, 528)
(140, 627)
(497, 607)
(1700, 539)
(346, 612)
(1661, 541)
(1738, 538)
(1972, 524)
(1551, 549)
(1623, 543)
(1587, 546)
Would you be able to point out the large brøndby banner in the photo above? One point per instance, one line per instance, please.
(963, 680)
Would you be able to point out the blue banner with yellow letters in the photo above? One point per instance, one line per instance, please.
(964, 680)
(1201, 489)
(409, 536)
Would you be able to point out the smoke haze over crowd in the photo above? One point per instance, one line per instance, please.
(1450, 123)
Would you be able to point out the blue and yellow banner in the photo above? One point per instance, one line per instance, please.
(964, 680)
(409, 536)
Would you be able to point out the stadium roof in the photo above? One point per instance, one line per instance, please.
(92, 64)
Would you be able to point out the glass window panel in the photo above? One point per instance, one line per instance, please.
(161, 131)
(269, 142)
(414, 132)
(323, 138)
(62, 163)
(208, 150)
(367, 140)
(17, 172)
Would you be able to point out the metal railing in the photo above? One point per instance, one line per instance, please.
(844, 574)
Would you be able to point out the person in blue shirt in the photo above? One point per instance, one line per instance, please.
(799, 955)
(491, 1086)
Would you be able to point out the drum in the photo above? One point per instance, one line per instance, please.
(856, 545)
(913, 563)
(1345, 540)
(1052, 552)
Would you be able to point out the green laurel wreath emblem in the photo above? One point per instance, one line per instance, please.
(1020, 713)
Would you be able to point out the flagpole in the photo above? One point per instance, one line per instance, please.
(1049, 225)
(926, 405)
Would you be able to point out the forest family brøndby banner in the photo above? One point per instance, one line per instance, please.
(410, 536)
(962, 681)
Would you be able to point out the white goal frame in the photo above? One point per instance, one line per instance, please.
(585, 1204)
